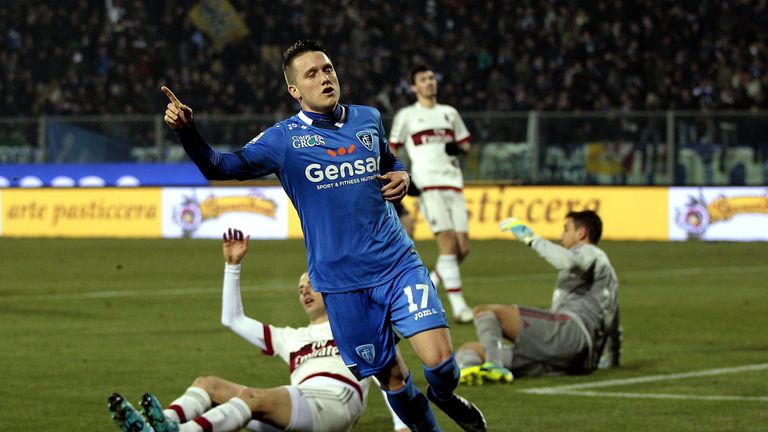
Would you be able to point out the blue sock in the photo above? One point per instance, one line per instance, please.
(412, 407)
(443, 378)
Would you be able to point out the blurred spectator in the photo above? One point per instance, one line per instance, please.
(111, 56)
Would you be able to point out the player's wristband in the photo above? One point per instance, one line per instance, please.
(232, 268)
(452, 148)
(413, 190)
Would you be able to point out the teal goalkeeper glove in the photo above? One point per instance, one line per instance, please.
(519, 229)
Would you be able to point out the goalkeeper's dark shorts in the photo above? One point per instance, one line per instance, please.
(548, 344)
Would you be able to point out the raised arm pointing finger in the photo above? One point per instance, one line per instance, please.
(177, 115)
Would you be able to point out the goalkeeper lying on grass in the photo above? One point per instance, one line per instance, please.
(570, 337)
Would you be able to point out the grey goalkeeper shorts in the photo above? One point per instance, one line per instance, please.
(548, 344)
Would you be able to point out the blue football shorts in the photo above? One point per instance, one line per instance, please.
(364, 321)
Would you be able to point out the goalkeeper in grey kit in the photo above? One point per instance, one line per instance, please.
(569, 338)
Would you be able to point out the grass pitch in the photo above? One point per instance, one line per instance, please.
(80, 319)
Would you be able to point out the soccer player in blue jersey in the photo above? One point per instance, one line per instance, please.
(334, 163)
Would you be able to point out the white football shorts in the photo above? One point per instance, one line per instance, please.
(444, 209)
(331, 408)
(318, 408)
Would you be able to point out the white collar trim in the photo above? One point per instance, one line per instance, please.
(305, 118)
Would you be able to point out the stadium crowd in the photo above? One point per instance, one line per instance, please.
(111, 56)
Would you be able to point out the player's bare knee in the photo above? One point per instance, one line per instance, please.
(472, 346)
(207, 383)
(478, 309)
(437, 356)
(436, 349)
(257, 399)
(508, 313)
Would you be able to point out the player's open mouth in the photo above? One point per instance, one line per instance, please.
(328, 90)
(308, 301)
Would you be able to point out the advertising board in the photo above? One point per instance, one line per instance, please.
(718, 213)
(78, 212)
(260, 212)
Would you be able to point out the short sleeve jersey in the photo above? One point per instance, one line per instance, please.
(310, 352)
(424, 133)
(352, 235)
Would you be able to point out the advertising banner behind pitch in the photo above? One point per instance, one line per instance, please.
(628, 213)
(718, 213)
(261, 212)
(81, 213)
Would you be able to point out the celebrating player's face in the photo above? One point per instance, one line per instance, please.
(315, 85)
(425, 84)
(311, 300)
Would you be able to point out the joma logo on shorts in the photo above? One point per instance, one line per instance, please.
(424, 313)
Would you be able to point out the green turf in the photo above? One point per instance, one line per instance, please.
(80, 319)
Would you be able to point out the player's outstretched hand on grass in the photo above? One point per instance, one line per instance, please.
(395, 185)
(235, 246)
(177, 115)
(519, 229)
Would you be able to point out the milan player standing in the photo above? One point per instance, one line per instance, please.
(433, 135)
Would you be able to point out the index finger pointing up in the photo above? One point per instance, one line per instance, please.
(172, 97)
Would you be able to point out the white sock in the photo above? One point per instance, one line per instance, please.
(448, 268)
(194, 402)
(230, 416)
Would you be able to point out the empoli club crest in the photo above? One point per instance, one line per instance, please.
(366, 138)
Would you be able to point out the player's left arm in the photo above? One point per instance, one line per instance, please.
(578, 260)
(556, 255)
(462, 137)
(232, 315)
(214, 165)
(392, 171)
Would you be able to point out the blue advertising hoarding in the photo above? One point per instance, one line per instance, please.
(102, 174)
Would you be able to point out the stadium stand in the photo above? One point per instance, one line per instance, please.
(109, 57)
(623, 64)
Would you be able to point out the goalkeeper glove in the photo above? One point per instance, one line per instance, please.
(519, 229)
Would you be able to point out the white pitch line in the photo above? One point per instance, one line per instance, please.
(178, 292)
(577, 389)
(277, 285)
(683, 271)
(624, 395)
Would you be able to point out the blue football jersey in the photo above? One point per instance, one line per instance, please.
(352, 235)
